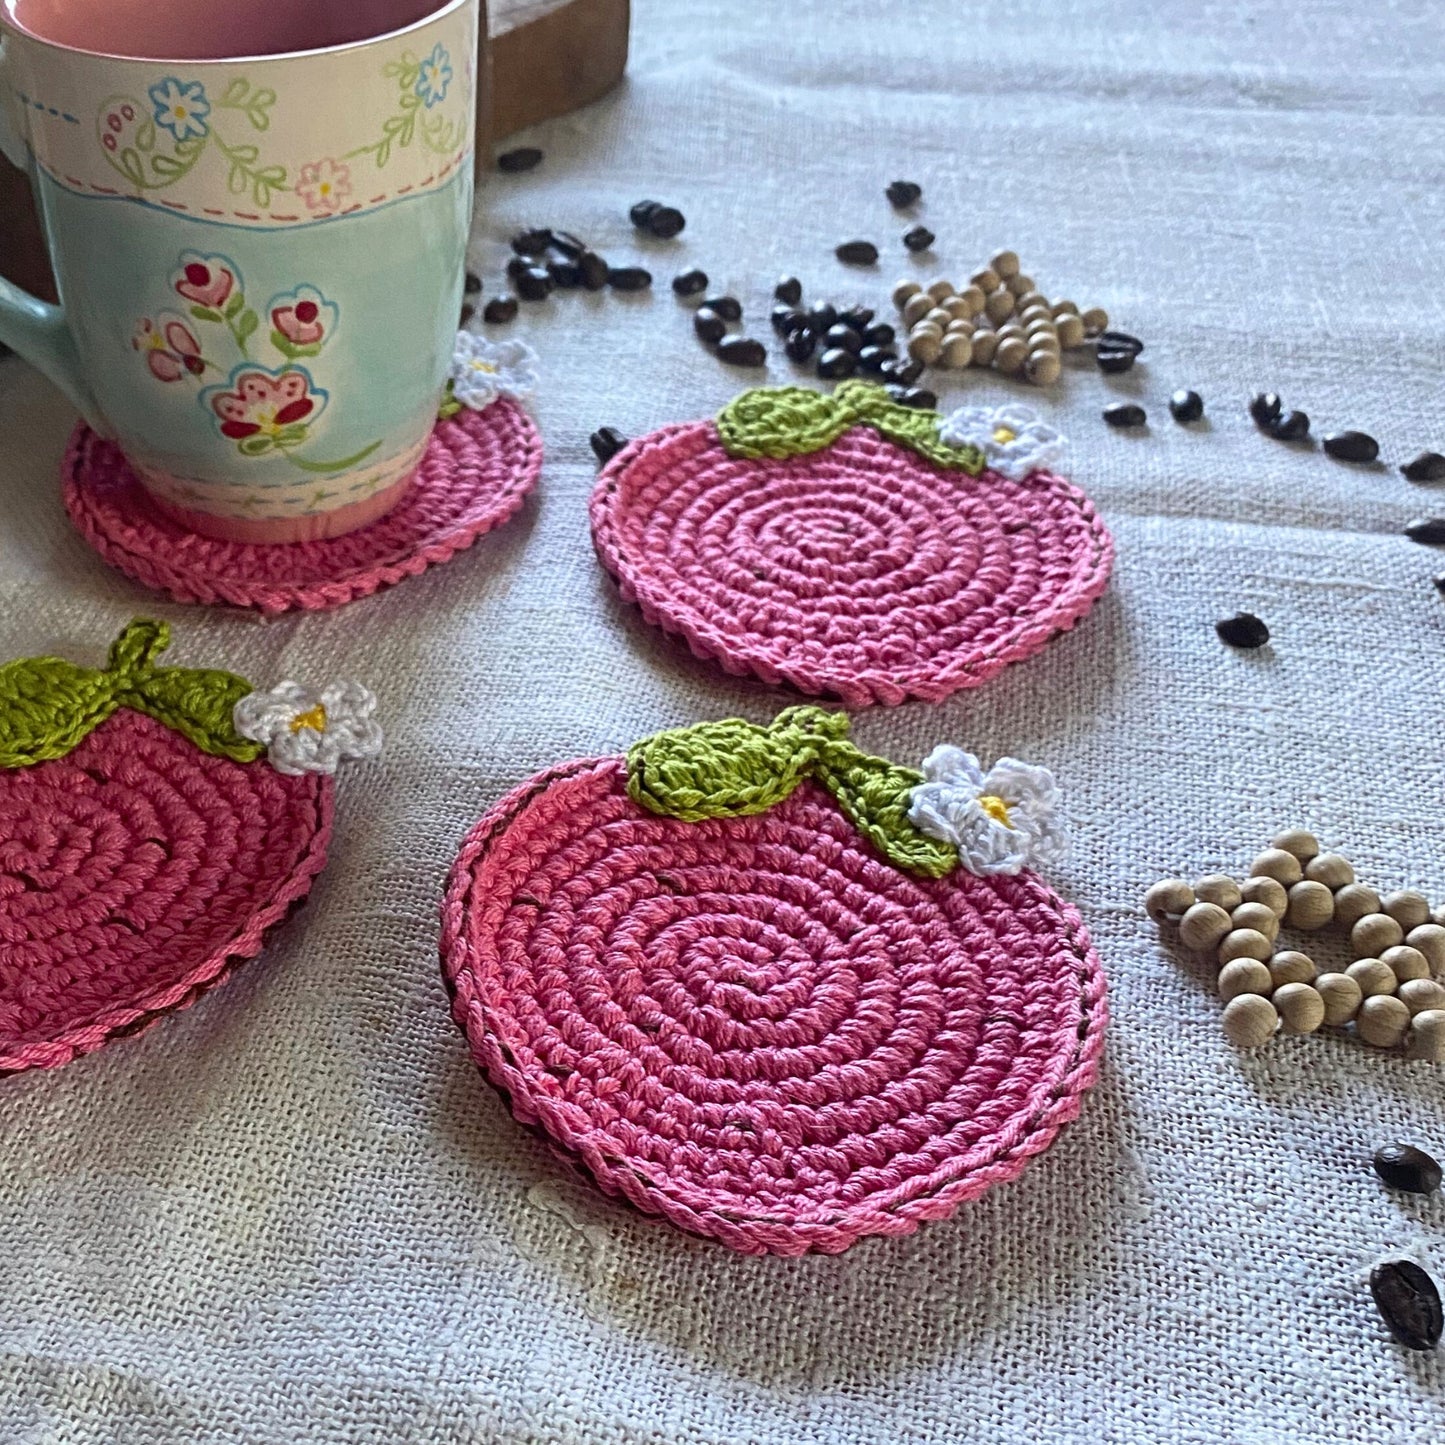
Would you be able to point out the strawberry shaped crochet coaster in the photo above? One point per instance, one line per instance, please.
(850, 546)
(778, 991)
(147, 840)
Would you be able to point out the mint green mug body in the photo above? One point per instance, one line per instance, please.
(259, 260)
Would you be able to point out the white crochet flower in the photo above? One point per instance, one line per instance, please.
(306, 731)
(483, 370)
(1013, 440)
(1000, 821)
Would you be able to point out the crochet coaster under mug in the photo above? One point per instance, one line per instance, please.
(155, 824)
(850, 546)
(779, 992)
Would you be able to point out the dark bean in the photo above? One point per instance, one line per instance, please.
(801, 343)
(500, 309)
(468, 311)
(903, 194)
(728, 307)
(523, 158)
(742, 351)
(822, 316)
(857, 253)
(471, 284)
(573, 247)
(919, 398)
(844, 337)
(786, 318)
(1113, 362)
(595, 270)
(858, 317)
(1427, 467)
(789, 290)
(708, 324)
(641, 213)
(1120, 341)
(535, 284)
(1125, 413)
(516, 265)
(1403, 1166)
(629, 278)
(606, 442)
(1430, 530)
(920, 238)
(1244, 629)
(896, 391)
(1408, 1302)
(1186, 406)
(1264, 407)
(533, 242)
(836, 364)
(880, 335)
(908, 371)
(567, 274)
(1440, 583)
(690, 283)
(666, 222)
(1351, 446)
(1293, 426)
(872, 358)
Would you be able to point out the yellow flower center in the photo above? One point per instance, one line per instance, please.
(1004, 435)
(313, 717)
(488, 366)
(156, 341)
(325, 188)
(995, 807)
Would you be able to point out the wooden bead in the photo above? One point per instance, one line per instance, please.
(1408, 908)
(957, 309)
(1299, 841)
(1427, 1036)
(1311, 906)
(904, 292)
(1004, 264)
(1300, 1008)
(940, 318)
(1064, 308)
(1043, 340)
(941, 290)
(1244, 975)
(1330, 869)
(1071, 332)
(1095, 320)
(1382, 1021)
(1291, 967)
(1374, 933)
(1203, 927)
(925, 344)
(1011, 355)
(986, 280)
(974, 299)
(1244, 943)
(1419, 994)
(1429, 938)
(1277, 864)
(1258, 917)
(999, 306)
(985, 344)
(1034, 301)
(1169, 898)
(1342, 998)
(1249, 1021)
(1037, 324)
(916, 308)
(1219, 888)
(1020, 285)
(1373, 975)
(958, 349)
(959, 328)
(1012, 331)
(1353, 902)
(1043, 366)
(1269, 891)
(1406, 962)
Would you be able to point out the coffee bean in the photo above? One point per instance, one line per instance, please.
(903, 194)
(1293, 426)
(1429, 530)
(835, 364)
(872, 358)
(789, 290)
(1113, 362)
(629, 278)
(857, 253)
(595, 270)
(666, 222)
(1125, 413)
(1351, 446)
(843, 336)
(728, 307)
(471, 284)
(920, 398)
(896, 391)
(802, 342)
(858, 317)
(1427, 467)
(606, 442)
(641, 213)
(880, 335)
(742, 351)
(1244, 629)
(516, 265)
(1403, 1166)
(920, 238)
(822, 316)
(1186, 406)
(708, 324)
(535, 284)
(573, 247)
(1440, 583)
(533, 242)
(1264, 407)
(468, 311)
(784, 318)
(690, 283)
(1408, 1302)
(500, 309)
(567, 274)
(523, 158)
(1120, 341)
(908, 371)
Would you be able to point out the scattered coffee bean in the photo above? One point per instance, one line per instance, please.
(880, 335)
(641, 212)
(786, 318)
(835, 364)
(1440, 583)
(920, 238)
(728, 307)
(903, 194)
(742, 351)
(896, 391)
(666, 222)
(1264, 408)
(908, 371)
(468, 311)
(1119, 341)
(500, 309)
(535, 284)
(523, 158)
(1403, 1166)
(822, 316)
(573, 247)
(533, 242)
(843, 336)
(1244, 630)
(471, 284)
(1351, 446)
(1113, 362)
(873, 358)
(595, 270)
(1429, 530)
(1293, 426)
(1125, 413)
(789, 290)
(567, 274)
(516, 265)
(802, 342)
(858, 317)
(1427, 467)
(919, 398)
(606, 442)
(708, 324)
(1186, 406)
(1408, 1302)
(857, 253)
(690, 283)
(629, 278)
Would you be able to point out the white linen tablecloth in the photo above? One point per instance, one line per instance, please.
(294, 1213)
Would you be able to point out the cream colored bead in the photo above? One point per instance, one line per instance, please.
(1219, 888)
(916, 308)
(974, 299)
(1374, 933)
(1406, 962)
(1244, 975)
(1299, 841)
(1004, 264)
(986, 280)
(1011, 355)
(1330, 869)
(941, 289)
(1095, 320)
(1046, 342)
(1301, 1010)
(940, 318)
(957, 309)
(925, 344)
(1373, 975)
(1429, 938)
(1269, 891)
(999, 306)
(1043, 366)
(1035, 301)
(1353, 902)
(1035, 318)
(1408, 908)
(1249, 1021)
(1342, 998)
(1291, 967)
(1382, 1021)
(985, 344)
(1258, 917)
(1012, 331)
(957, 350)
(1168, 898)
(1071, 332)
(1064, 308)
(1203, 926)
(1244, 943)
(1311, 906)
(904, 292)
(1427, 1036)
(1277, 864)
(1020, 285)
(959, 328)
(1418, 994)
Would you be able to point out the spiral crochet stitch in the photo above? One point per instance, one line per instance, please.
(753, 1025)
(475, 474)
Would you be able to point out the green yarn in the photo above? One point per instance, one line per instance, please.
(733, 768)
(790, 421)
(49, 706)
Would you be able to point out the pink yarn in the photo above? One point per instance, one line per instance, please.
(475, 473)
(861, 571)
(135, 873)
(755, 1027)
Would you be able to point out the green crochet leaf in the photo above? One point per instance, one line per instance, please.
(47, 707)
(198, 703)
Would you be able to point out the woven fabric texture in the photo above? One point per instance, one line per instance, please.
(293, 1213)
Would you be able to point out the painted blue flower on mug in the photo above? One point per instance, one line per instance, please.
(434, 76)
(181, 107)
(302, 321)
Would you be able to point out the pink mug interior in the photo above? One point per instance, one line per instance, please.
(211, 29)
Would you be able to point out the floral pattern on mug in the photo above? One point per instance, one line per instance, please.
(181, 107)
(170, 348)
(205, 280)
(323, 185)
(302, 321)
(264, 409)
(434, 75)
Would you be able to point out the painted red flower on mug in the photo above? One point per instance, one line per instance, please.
(263, 409)
(205, 280)
(301, 322)
(170, 348)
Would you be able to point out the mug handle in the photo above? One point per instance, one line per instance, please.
(30, 326)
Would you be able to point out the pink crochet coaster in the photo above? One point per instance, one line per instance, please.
(477, 469)
(758, 1026)
(853, 556)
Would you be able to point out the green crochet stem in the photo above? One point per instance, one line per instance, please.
(790, 421)
(49, 706)
(732, 768)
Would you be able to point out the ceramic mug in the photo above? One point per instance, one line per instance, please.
(259, 259)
